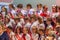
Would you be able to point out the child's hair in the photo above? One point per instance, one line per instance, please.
(17, 19)
(49, 19)
(2, 25)
(40, 20)
(4, 8)
(7, 18)
(9, 27)
(26, 29)
(20, 5)
(12, 6)
(41, 30)
(54, 6)
(29, 5)
(39, 5)
(44, 6)
(19, 28)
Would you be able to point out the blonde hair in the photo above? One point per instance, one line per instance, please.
(2, 25)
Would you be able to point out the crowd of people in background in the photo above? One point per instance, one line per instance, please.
(20, 23)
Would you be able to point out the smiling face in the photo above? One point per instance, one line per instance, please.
(39, 6)
(18, 30)
(54, 9)
(3, 9)
(45, 8)
(34, 29)
(25, 30)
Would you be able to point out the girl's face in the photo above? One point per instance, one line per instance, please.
(39, 7)
(16, 21)
(34, 30)
(46, 8)
(18, 30)
(6, 20)
(3, 9)
(32, 20)
(1, 29)
(25, 31)
(26, 21)
(53, 9)
(40, 32)
(28, 7)
(48, 22)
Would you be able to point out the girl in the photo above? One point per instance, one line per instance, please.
(39, 9)
(25, 34)
(34, 33)
(18, 34)
(30, 11)
(11, 33)
(20, 9)
(54, 11)
(41, 34)
(12, 11)
(45, 12)
(51, 35)
(27, 22)
(3, 11)
(3, 34)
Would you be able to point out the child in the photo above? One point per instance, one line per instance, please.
(39, 9)
(45, 12)
(41, 34)
(27, 22)
(20, 9)
(3, 11)
(54, 11)
(51, 35)
(10, 33)
(34, 33)
(12, 11)
(18, 34)
(30, 11)
(3, 34)
(25, 34)
(49, 21)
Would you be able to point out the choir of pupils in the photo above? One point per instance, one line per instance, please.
(18, 23)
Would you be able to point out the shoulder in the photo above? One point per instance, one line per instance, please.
(28, 35)
(5, 34)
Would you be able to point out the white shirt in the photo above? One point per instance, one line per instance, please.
(54, 15)
(18, 25)
(35, 36)
(13, 12)
(22, 21)
(28, 24)
(31, 11)
(39, 12)
(12, 35)
(24, 12)
(35, 24)
(28, 37)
